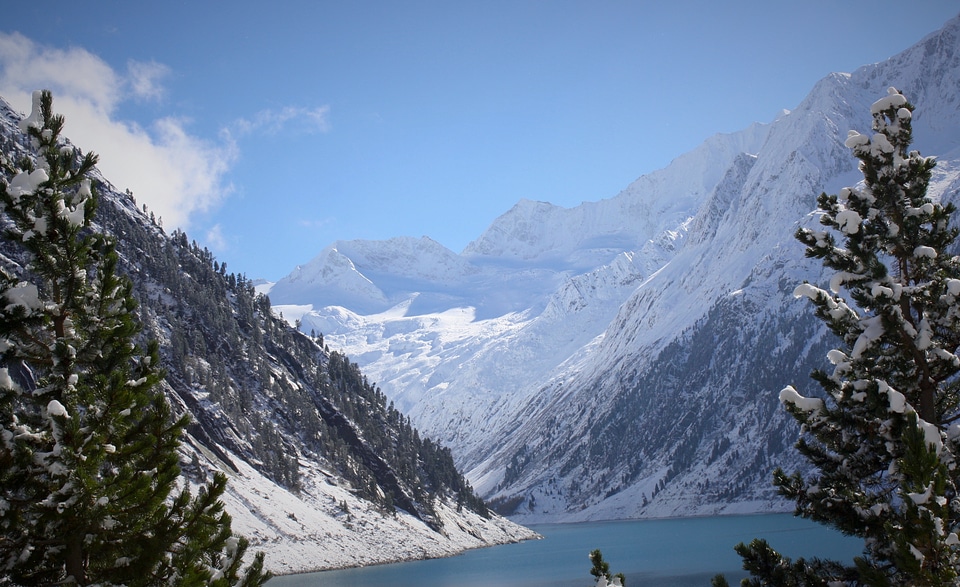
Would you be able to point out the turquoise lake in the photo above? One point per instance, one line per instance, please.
(678, 552)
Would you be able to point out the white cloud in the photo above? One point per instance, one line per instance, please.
(174, 173)
(27, 66)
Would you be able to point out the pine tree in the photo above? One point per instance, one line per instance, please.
(882, 441)
(90, 485)
(601, 570)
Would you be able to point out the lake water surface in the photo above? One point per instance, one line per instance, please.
(656, 553)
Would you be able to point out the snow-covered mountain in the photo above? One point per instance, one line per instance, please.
(511, 308)
(322, 472)
(622, 358)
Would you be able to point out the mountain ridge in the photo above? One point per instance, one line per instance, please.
(759, 260)
(612, 292)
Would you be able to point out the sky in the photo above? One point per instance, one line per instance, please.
(268, 131)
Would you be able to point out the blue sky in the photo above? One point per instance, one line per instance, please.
(269, 130)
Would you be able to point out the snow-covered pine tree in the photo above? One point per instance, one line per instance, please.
(883, 441)
(90, 486)
(601, 571)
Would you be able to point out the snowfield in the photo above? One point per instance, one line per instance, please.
(326, 526)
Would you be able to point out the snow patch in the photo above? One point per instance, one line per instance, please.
(56, 409)
(789, 395)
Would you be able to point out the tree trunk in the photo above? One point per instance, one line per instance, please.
(74, 559)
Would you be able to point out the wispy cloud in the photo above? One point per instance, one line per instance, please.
(271, 121)
(172, 171)
(316, 223)
(215, 239)
(145, 79)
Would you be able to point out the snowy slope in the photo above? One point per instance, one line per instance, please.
(622, 358)
(326, 526)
